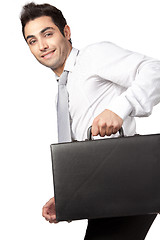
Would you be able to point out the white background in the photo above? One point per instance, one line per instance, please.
(27, 111)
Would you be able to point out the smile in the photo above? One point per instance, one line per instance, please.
(48, 54)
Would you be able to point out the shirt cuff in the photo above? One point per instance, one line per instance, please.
(121, 106)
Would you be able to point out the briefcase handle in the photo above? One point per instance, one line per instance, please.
(89, 133)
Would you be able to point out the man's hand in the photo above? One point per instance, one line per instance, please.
(106, 123)
(49, 212)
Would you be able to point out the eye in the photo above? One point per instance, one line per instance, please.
(48, 34)
(31, 42)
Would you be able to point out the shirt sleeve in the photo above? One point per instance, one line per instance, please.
(137, 75)
(144, 93)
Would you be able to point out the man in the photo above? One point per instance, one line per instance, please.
(107, 86)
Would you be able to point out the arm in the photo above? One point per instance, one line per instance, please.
(138, 78)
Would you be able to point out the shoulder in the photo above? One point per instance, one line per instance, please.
(92, 48)
(102, 50)
(102, 46)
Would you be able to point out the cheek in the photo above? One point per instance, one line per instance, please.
(58, 41)
(62, 46)
(33, 51)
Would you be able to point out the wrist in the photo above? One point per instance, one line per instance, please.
(121, 107)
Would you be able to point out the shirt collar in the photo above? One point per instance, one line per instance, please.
(71, 60)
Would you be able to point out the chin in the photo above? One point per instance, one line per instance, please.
(45, 64)
(49, 64)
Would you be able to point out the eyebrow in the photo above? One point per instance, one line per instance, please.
(42, 31)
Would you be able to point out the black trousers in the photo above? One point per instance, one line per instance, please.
(126, 228)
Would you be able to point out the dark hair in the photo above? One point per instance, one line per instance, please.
(32, 11)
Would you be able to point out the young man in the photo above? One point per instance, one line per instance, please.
(107, 86)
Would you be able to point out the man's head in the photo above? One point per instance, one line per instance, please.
(47, 34)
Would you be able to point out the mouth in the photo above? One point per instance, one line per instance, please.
(48, 55)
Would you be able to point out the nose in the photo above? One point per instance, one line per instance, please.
(43, 45)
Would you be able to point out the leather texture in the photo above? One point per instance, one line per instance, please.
(107, 177)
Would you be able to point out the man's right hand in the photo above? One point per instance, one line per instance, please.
(49, 212)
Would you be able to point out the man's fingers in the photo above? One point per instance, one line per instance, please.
(95, 130)
(103, 129)
(44, 212)
(51, 218)
(53, 221)
(109, 131)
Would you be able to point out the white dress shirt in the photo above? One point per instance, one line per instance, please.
(105, 76)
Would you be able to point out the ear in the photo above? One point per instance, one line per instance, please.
(67, 32)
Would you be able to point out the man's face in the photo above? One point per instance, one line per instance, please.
(47, 43)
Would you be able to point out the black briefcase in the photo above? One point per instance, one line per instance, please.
(107, 177)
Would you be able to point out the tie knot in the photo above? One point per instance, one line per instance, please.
(63, 78)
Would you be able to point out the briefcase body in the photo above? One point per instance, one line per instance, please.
(107, 177)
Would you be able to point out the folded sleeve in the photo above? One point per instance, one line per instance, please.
(142, 94)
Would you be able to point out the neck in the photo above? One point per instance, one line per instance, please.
(59, 70)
